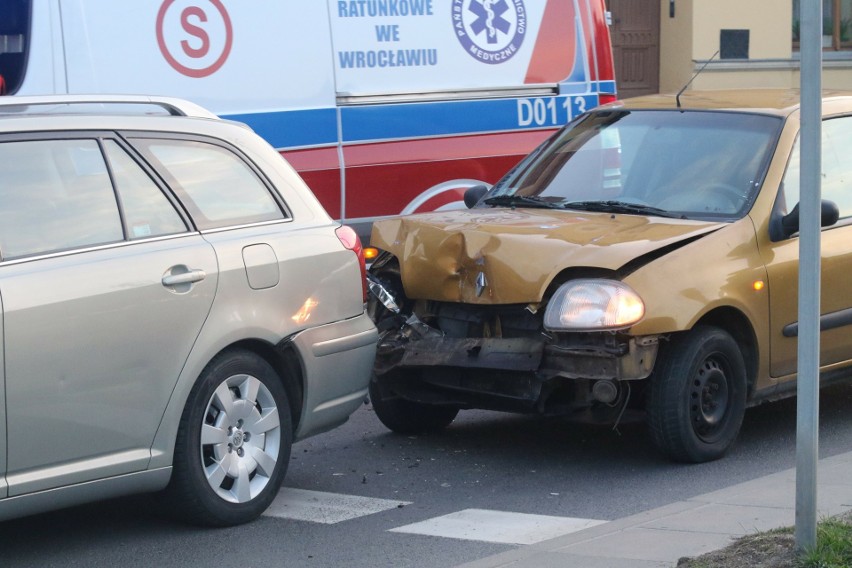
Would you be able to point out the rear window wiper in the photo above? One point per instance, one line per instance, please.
(523, 201)
(621, 207)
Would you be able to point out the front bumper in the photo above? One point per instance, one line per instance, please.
(532, 374)
(546, 359)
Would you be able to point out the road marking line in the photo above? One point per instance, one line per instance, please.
(498, 526)
(326, 508)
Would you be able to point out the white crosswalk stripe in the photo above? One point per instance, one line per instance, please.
(327, 508)
(470, 524)
(498, 526)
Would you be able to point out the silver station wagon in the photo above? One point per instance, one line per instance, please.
(177, 309)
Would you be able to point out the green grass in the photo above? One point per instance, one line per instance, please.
(776, 548)
(833, 548)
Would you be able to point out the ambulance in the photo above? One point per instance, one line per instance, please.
(384, 107)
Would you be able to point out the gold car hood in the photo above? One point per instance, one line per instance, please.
(517, 251)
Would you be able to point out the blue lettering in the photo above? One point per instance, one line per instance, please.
(388, 58)
(347, 59)
(412, 57)
(387, 33)
(384, 8)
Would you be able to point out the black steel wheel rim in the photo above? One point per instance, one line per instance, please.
(710, 398)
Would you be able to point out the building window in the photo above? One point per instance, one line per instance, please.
(836, 24)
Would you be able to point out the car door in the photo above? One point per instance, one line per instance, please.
(105, 288)
(3, 485)
(782, 267)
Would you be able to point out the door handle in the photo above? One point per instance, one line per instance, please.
(184, 278)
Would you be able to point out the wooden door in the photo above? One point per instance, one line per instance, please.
(636, 46)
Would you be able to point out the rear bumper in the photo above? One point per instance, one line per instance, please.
(337, 361)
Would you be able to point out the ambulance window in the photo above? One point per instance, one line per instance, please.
(216, 186)
(14, 33)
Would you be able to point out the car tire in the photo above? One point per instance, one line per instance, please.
(409, 417)
(233, 443)
(697, 395)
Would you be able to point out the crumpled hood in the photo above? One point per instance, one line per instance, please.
(518, 251)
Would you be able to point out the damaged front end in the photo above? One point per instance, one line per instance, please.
(500, 357)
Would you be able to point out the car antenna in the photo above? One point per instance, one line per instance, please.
(697, 73)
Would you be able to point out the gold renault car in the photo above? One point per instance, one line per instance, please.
(644, 257)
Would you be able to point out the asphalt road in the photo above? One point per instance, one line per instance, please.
(491, 461)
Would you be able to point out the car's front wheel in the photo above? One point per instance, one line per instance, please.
(697, 395)
(233, 443)
(409, 417)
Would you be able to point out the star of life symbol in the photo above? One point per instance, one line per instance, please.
(490, 17)
(491, 31)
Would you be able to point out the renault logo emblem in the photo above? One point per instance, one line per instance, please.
(481, 283)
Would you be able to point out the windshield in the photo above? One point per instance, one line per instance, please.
(692, 164)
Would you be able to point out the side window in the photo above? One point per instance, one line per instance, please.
(147, 212)
(790, 185)
(55, 195)
(216, 186)
(836, 167)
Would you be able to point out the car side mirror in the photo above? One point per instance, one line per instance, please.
(829, 214)
(473, 194)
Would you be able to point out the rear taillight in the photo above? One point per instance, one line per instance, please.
(349, 238)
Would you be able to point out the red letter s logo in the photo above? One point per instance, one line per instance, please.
(195, 31)
(186, 26)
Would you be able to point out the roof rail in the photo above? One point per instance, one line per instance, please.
(38, 104)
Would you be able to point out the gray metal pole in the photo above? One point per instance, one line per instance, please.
(807, 422)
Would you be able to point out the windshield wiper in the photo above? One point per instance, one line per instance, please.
(522, 201)
(621, 207)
